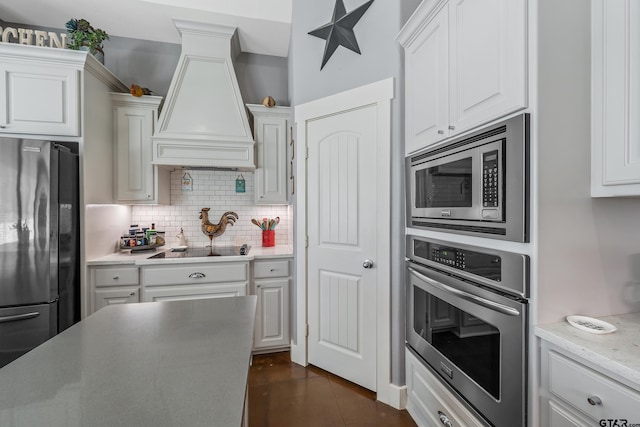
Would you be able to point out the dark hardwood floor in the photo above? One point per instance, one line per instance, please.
(284, 394)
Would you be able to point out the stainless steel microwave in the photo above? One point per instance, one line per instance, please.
(477, 184)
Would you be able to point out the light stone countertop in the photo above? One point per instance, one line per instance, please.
(141, 258)
(173, 364)
(617, 352)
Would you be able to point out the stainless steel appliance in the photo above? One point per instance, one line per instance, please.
(467, 310)
(477, 184)
(39, 244)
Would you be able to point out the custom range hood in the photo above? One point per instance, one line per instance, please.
(204, 122)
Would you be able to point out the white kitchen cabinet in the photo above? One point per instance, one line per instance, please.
(576, 393)
(137, 180)
(39, 96)
(465, 65)
(182, 281)
(429, 402)
(113, 285)
(615, 157)
(271, 133)
(271, 285)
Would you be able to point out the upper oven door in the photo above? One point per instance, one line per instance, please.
(463, 185)
(474, 339)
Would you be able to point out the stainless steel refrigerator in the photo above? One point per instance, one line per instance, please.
(39, 244)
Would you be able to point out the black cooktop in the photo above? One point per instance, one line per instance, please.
(204, 252)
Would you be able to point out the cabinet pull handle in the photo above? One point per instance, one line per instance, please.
(197, 275)
(132, 293)
(594, 400)
(116, 277)
(272, 270)
(444, 419)
(440, 132)
(452, 128)
(3, 126)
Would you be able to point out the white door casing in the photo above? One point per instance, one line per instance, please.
(373, 99)
(341, 224)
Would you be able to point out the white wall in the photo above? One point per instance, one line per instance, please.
(588, 251)
(215, 190)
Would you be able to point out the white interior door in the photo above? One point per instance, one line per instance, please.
(342, 229)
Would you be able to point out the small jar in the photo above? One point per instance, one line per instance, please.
(141, 240)
(160, 239)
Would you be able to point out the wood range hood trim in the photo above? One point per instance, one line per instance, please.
(204, 121)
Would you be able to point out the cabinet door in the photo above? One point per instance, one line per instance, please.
(186, 292)
(560, 416)
(137, 179)
(488, 60)
(272, 313)
(271, 135)
(39, 99)
(615, 98)
(108, 296)
(427, 84)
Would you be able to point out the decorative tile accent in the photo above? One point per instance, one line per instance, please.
(215, 190)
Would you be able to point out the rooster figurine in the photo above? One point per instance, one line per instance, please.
(215, 230)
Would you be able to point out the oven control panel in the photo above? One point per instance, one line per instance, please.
(488, 266)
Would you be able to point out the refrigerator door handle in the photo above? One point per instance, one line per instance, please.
(25, 316)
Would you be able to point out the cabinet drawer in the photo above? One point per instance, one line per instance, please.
(576, 383)
(195, 274)
(188, 292)
(116, 276)
(270, 268)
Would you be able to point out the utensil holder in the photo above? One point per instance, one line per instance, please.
(268, 238)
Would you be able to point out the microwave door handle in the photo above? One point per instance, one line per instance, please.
(510, 311)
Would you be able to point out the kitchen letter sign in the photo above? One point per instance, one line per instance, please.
(28, 37)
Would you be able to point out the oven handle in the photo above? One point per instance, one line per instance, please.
(470, 297)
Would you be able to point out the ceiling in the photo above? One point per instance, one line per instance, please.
(264, 26)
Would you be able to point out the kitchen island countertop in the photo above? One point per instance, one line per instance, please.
(142, 258)
(177, 363)
(617, 352)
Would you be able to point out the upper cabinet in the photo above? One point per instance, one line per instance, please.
(137, 180)
(465, 65)
(271, 133)
(39, 96)
(615, 157)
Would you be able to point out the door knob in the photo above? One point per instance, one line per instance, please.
(367, 263)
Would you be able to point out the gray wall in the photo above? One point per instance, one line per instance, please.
(151, 64)
(381, 58)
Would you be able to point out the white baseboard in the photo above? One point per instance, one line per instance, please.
(398, 396)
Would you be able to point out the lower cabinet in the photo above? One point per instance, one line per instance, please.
(574, 393)
(270, 281)
(113, 285)
(429, 402)
(271, 285)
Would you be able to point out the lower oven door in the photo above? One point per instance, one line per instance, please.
(474, 338)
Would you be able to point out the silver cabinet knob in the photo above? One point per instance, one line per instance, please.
(594, 400)
(367, 263)
(440, 132)
(132, 293)
(3, 126)
(116, 277)
(197, 275)
(444, 419)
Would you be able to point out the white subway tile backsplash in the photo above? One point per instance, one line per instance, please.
(215, 190)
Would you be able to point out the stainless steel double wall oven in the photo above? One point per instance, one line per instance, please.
(468, 306)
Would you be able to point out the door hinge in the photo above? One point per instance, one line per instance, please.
(306, 156)
(306, 241)
(307, 332)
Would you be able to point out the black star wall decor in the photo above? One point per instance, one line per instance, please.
(339, 32)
